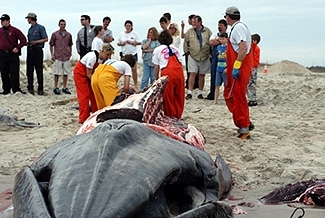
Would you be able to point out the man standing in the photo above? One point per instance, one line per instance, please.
(214, 42)
(197, 47)
(163, 24)
(85, 36)
(108, 34)
(11, 42)
(36, 38)
(61, 51)
(196, 83)
(239, 69)
(168, 16)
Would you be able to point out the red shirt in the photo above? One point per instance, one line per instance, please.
(11, 38)
(256, 56)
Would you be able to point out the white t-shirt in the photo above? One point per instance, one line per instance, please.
(240, 32)
(97, 44)
(128, 48)
(176, 41)
(160, 55)
(89, 60)
(121, 66)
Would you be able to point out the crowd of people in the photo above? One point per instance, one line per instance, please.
(230, 57)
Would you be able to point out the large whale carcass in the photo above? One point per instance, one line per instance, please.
(123, 169)
(130, 161)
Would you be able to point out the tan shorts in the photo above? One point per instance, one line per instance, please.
(62, 67)
(201, 67)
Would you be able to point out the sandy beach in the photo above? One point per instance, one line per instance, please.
(287, 143)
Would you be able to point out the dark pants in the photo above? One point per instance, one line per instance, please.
(34, 61)
(9, 67)
(213, 70)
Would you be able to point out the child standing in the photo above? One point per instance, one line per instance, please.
(221, 72)
(251, 88)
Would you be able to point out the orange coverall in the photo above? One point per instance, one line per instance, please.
(174, 95)
(84, 91)
(104, 84)
(236, 101)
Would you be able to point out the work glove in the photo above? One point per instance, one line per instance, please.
(235, 70)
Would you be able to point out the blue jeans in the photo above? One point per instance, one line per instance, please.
(148, 73)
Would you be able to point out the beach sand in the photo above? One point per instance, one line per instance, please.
(287, 143)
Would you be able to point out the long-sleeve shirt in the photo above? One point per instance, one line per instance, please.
(256, 56)
(80, 37)
(11, 38)
(198, 46)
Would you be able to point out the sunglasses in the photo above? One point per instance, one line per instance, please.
(82, 19)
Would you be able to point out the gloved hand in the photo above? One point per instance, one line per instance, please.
(235, 70)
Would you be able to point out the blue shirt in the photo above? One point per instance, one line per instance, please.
(147, 56)
(221, 58)
(37, 32)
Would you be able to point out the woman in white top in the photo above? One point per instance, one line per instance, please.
(174, 31)
(167, 60)
(128, 40)
(97, 43)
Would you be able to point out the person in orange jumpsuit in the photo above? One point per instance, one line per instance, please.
(239, 69)
(82, 74)
(104, 81)
(167, 59)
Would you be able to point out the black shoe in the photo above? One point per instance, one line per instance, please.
(57, 91)
(252, 103)
(31, 91)
(41, 92)
(21, 91)
(209, 98)
(188, 96)
(251, 126)
(200, 96)
(66, 91)
(4, 93)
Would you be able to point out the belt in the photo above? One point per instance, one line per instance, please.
(5, 51)
(34, 48)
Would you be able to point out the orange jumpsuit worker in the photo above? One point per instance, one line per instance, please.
(168, 58)
(82, 74)
(239, 69)
(104, 81)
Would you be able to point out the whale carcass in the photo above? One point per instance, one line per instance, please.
(123, 168)
(147, 108)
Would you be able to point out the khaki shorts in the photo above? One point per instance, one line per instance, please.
(62, 67)
(201, 67)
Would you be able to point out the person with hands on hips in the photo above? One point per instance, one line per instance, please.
(239, 69)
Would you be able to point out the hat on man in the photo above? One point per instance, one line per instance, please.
(5, 17)
(31, 15)
(232, 11)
